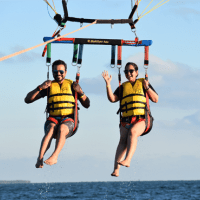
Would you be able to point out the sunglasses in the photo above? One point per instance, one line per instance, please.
(56, 71)
(130, 70)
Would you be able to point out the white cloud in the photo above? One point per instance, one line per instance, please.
(186, 8)
(190, 124)
(176, 83)
(157, 80)
(162, 67)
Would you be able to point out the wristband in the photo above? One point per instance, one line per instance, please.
(39, 88)
(108, 86)
(81, 95)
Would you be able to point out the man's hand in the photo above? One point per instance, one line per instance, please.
(35, 94)
(77, 88)
(45, 85)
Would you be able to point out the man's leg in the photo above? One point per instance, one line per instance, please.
(133, 134)
(121, 150)
(63, 133)
(45, 144)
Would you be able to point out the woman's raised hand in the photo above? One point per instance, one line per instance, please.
(106, 77)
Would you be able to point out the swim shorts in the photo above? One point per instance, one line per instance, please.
(69, 122)
(128, 122)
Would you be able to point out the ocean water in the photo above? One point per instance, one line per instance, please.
(103, 190)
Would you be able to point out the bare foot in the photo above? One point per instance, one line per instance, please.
(39, 163)
(115, 173)
(51, 160)
(124, 163)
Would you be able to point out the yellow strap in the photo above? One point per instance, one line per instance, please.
(44, 43)
(155, 7)
(50, 6)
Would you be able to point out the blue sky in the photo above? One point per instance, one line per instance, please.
(169, 152)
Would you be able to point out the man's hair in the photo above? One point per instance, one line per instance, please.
(59, 62)
(133, 64)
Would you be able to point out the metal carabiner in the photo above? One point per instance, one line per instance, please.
(146, 67)
(112, 66)
(134, 31)
(146, 75)
(74, 64)
(119, 67)
(48, 65)
(78, 68)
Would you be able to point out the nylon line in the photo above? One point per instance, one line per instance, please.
(50, 6)
(155, 7)
(44, 43)
(54, 5)
(146, 7)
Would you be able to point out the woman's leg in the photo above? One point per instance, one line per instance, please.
(133, 134)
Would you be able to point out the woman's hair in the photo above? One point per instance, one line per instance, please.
(59, 62)
(133, 64)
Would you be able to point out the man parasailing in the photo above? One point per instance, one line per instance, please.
(61, 108)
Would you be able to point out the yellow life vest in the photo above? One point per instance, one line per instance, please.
(133, 100)
(60, 99)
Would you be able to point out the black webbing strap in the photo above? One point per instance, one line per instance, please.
(61, 102)
(100, 21)
(58, 19)
(60, 108)
(133, 108)
(148, 117)
(65, 11)
(132, 102)
(61, 21)
(120, 96)
(132, 24)
(76, 105)
(131, 95)
(66, 18)
(133, 11)
(63, 94)
(113, 50)
(114, 21)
